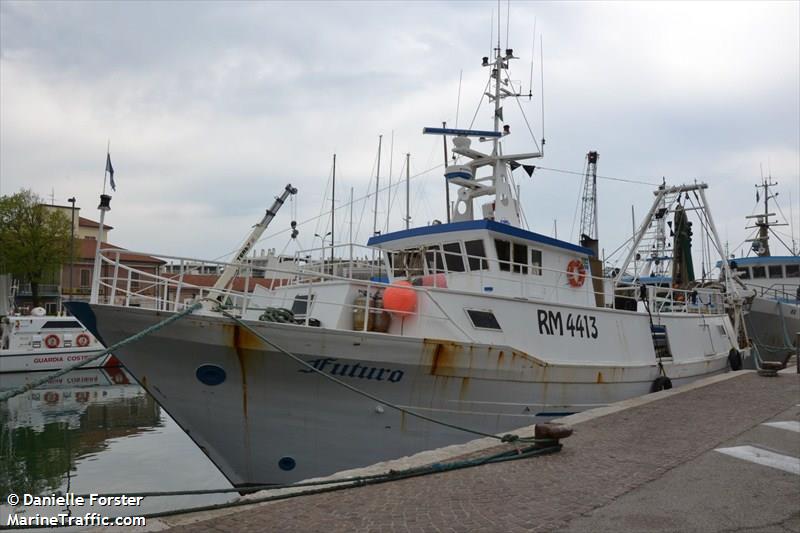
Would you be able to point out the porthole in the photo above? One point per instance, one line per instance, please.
(210, 375)
(287, 463)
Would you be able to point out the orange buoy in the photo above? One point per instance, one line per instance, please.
(400, 298)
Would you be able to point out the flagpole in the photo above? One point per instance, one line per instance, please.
(105, 205)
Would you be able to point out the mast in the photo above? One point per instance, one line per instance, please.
(377, 182)
(408, 189)
(503, 204)
(333, 209)
(446, 183)
(760, 244)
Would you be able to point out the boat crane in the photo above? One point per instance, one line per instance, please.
(218, 292)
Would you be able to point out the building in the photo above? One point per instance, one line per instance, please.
(74, 281)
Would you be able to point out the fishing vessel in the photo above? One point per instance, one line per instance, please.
(477, 323)
(773, 312)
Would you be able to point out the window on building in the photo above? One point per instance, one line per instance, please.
(86, 277)
(520, 258)
(759, 272)
(775, 271)
(503, 254)
(453, 257)
(793, 271)
(744, 273)
(475, 255)
(536, 262)
(134, 281)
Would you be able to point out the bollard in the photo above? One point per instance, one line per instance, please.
(769, 369)
(552, 431)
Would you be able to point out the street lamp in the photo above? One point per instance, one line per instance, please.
(71, 246)
(322, 239)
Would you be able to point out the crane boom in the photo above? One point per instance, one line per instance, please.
(588, 228)
(218, 291)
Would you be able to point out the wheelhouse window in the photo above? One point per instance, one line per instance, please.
(433, 257)
(453, 257)
(775, 271)
(406, 264)
(536, 262)
(793, 271)
(744, 273)
(476, 255)
(759, 272)
(520, 258)
(503, 254)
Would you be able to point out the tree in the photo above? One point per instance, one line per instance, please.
(34, 240)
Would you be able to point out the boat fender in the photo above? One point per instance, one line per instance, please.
(576, 273)
(735, 359)
(661, 383)
(52, 341)
(82, 340)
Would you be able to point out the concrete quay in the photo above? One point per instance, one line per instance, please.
(719, 455)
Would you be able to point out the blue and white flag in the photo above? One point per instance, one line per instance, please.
(110, 170)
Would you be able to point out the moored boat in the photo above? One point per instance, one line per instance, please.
(481, 323)
(39, 342)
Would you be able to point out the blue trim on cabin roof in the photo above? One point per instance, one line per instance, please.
(490, 225)
(770, 260)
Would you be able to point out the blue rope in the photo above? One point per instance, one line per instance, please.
(133, 338)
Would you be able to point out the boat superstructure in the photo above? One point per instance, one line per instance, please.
(773, 313)
(478, 322)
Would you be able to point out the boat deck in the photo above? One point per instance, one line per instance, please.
(648, 464)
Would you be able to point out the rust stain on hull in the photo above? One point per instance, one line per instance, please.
(237, 345)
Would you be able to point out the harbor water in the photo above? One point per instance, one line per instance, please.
(97, 431)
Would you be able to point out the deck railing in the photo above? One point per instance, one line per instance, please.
(125, 285)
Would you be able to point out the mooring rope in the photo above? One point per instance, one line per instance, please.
(333, 484)
(133, 338)
(510, 437)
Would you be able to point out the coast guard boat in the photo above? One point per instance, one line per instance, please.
(479, 323)
(40, 342)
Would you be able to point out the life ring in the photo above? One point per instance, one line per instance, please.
(82, 340)
(576, 273)
(661, 383)
(52, 341)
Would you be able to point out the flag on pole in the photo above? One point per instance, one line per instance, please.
(110, 170)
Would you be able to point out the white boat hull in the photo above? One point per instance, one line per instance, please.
(28, 361)
(270, 413)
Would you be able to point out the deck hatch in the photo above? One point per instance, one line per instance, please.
(483, 319)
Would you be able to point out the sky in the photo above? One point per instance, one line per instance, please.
(211, 108)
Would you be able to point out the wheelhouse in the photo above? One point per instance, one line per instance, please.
(485, 256)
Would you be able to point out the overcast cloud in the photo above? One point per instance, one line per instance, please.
(211, 108)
